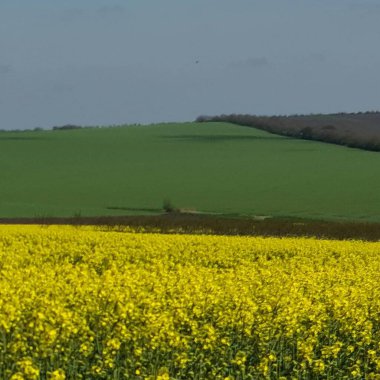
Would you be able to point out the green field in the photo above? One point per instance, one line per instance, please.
(207, 167)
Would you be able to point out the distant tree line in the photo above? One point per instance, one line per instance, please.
(66, 127)
(356, 130)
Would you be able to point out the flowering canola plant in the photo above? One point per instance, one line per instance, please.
(86, 303)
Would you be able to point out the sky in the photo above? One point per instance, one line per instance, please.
(106, 62)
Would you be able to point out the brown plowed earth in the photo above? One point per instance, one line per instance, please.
(210, 224)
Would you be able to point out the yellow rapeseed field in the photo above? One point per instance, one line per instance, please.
(86, 303)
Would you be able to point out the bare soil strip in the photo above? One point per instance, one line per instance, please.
(189, 223)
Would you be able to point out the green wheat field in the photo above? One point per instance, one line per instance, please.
(203, 167)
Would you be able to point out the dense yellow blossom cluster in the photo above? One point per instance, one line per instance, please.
(82, 303)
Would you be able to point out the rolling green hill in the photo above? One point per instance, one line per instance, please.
(208, 167)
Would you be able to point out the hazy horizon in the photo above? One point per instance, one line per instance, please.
(112, 62)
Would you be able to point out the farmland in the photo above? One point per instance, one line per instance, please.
(82, 302)
(109, 301)
(210, 168)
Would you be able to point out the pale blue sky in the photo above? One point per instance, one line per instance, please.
(100, 62)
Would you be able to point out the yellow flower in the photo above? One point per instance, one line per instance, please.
(116, 301)
(58, 374)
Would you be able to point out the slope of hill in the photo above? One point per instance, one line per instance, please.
(208, 167)
(357, 130)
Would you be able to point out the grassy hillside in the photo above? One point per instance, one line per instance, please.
(357, 130)
(210, 167)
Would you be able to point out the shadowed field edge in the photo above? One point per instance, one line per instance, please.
(218, 225)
